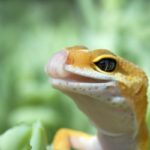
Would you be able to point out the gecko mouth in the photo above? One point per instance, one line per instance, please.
(74, 78)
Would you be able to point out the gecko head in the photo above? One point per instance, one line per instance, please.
(108, 88)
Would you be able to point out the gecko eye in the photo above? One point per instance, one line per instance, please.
(106, 64)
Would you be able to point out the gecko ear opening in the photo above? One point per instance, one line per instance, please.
(106, 64)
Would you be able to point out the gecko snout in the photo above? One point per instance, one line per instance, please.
(55, 66)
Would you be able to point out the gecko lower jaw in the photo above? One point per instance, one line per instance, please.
(71, 84)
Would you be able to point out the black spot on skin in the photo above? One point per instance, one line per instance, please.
(74, 89)
(108, 99)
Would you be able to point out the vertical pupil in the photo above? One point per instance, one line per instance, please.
(103, 64)
(106, 64)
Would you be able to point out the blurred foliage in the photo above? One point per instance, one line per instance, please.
(24, 137)
(31, 31)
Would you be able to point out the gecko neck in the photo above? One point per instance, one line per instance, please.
(102, 117)
(120, 142)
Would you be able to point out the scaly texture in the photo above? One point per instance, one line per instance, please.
(104, 85)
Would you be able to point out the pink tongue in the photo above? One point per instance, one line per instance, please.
(55, 66)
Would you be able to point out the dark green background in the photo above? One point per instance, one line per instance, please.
(31, 31)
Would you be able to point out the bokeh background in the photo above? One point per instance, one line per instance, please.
(31, 31)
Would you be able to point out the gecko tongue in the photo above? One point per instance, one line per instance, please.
(55, 66)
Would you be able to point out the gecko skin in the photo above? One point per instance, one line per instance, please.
(110, 90)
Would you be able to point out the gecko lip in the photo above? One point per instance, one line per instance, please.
(77, 78)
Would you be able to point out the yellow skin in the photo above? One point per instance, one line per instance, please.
(115, 101)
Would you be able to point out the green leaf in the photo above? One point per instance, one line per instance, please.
(38, 139)
(16, 138)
